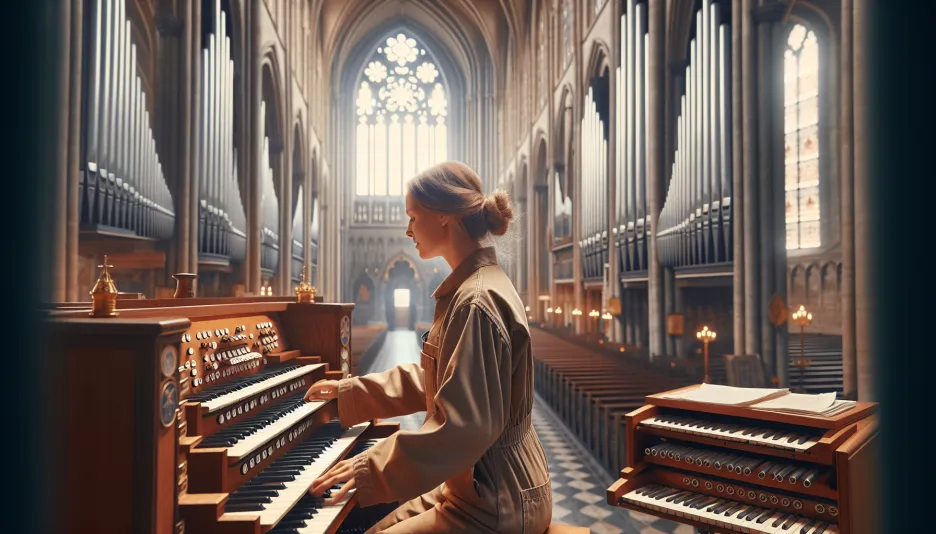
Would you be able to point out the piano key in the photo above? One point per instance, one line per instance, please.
(733, 432)
(250, 390)
(298, 486)
(246, 446)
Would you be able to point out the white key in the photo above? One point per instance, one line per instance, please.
(730, 436)
(296, 489)
(233, 397)
(325, 516)
(247, 445)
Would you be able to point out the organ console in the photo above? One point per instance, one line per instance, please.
(633, 222)
(695, 222)
(222, 221)
(122, 190)
(189, 416)
(740, 469)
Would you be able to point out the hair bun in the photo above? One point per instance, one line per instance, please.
(498, 212)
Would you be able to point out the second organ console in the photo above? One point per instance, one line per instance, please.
(739, 469)
(188, 416)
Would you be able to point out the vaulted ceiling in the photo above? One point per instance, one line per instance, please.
(471, 31)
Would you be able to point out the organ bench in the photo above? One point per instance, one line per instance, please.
(738, 469)
(188, 414)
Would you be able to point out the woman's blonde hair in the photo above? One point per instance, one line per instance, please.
(454, 188)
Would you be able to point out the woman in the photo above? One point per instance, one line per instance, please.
(476, 465)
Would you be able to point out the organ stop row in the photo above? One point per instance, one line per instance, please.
(723, 468)
(188, 415)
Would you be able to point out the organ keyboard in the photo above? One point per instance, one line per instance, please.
(189, 414)
(736, 469)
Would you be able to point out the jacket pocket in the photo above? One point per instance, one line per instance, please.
(537, 508)
(429, 367)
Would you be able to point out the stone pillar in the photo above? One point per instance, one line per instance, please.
(737, 183)
(656, 169)
(74, 153)
(865, 297)
(60, 153)
(306, 180)
(846, 175)
(254, 129)
(753, 306)
(669, 299)
(284, 161)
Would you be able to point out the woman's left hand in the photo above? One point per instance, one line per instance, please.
(343, 471)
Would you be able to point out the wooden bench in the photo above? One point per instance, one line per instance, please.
(592, 391)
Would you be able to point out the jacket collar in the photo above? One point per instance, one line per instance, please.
(480, 258)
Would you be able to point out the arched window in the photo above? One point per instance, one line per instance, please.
(598, 5)
(401, 109)
(568, 17)
(801, 149)
(541, 58)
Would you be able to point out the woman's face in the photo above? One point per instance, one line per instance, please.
(428, 230)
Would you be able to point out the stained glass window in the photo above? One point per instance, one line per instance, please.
(801, 144)
(401, 106)
(568, 16)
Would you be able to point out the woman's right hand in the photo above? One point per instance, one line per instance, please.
(323, 390)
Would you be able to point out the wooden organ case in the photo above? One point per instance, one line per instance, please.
(729, 469)
(187, 415)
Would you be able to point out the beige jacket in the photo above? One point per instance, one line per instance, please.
(475, 382)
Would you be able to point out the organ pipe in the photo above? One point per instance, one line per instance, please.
(122, 186)
(222, 219)
(631, 144)
(695, 222)
(269, 207)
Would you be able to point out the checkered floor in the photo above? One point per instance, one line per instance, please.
(578, 483)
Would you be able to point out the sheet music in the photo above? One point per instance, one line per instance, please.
(799, 402)
(727, 395)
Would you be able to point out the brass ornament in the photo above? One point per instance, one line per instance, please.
(104, 294)
(305, 292)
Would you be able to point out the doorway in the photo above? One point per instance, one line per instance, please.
(400, 297)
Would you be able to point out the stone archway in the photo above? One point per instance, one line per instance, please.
(401, 312)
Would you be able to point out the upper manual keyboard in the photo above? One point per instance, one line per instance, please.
(733, 430)
(229, 393)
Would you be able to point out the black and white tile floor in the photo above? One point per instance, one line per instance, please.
(578, 483)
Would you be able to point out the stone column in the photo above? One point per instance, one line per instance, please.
(254, 124)
(753, 307)
(284, 164)
(74, 153)
(865, 297)
(656, 169)
(847, 177)
(191, 107)
(60, 153)
(306, 180)
(737, 182)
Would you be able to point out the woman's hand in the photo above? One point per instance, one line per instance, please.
(343, 471)
(324, 390)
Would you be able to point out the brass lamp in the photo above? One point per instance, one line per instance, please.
(706, 336)
(803, 318)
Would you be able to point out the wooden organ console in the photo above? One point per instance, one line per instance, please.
(122, 189)
(736, 469)
(187, 415)
(695, 222)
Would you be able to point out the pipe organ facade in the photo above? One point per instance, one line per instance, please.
(695, 223)
(631, 174)
(122, 189)
(594, 189)
(222, 221)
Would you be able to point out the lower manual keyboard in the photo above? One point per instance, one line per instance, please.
(274, 492)
(723, 513)
(311, 515)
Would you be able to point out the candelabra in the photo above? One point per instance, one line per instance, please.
(803, 318)
(706, 336)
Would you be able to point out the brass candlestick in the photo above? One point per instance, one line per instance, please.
(803, 318)
(305, 292)
(706, 336)
(104, 294)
